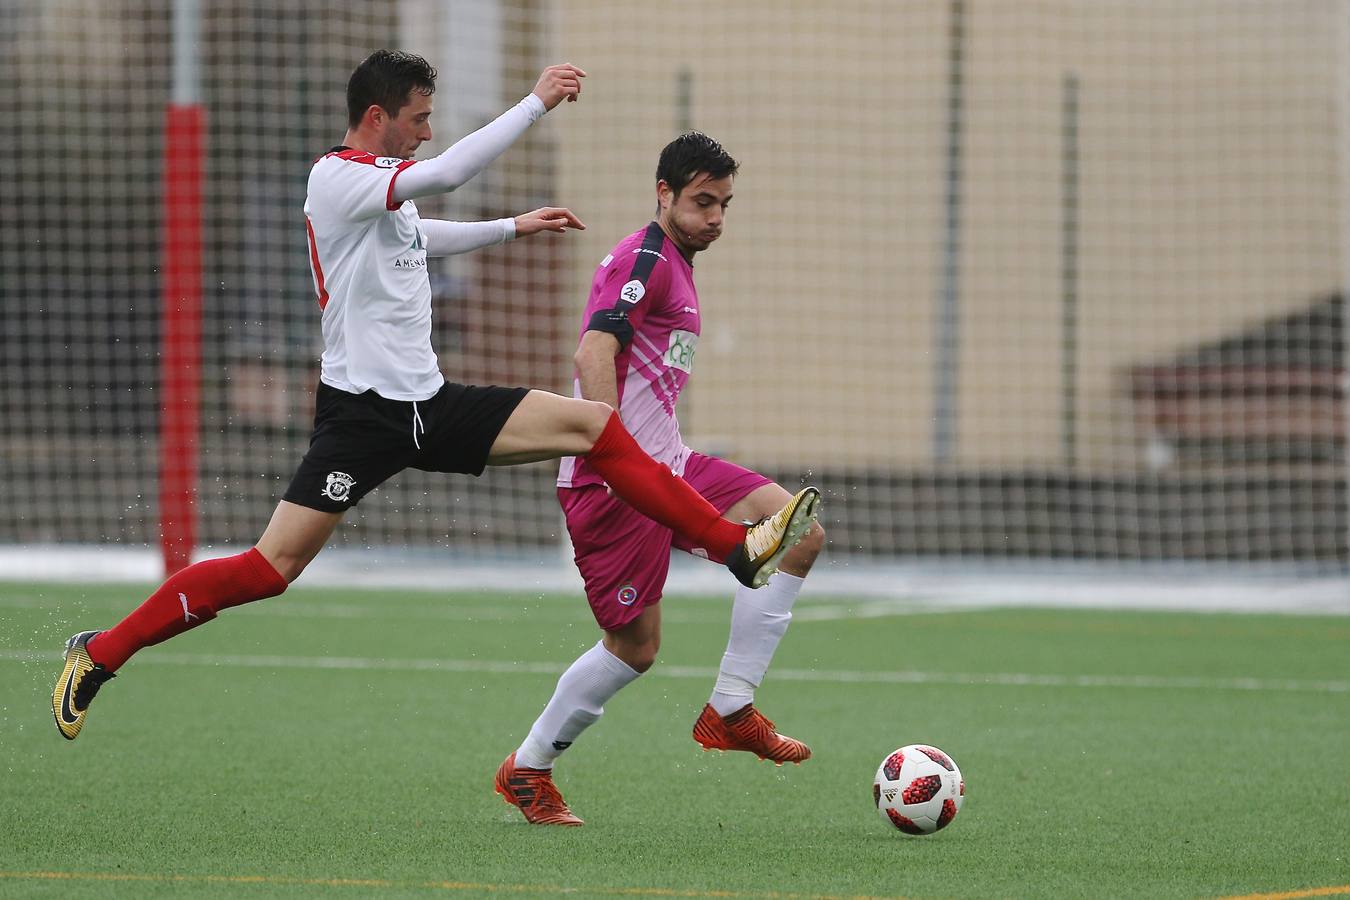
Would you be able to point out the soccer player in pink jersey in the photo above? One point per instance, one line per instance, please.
(383, 405)
(636, 354)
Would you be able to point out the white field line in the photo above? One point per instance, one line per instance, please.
(880, 609)
(431, 609)
(701, 672)
(1259, 588)
(674, 610)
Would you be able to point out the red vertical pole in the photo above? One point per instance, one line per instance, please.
(180, 332)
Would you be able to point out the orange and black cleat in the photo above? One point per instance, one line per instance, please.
(747, 729)
(533, 792)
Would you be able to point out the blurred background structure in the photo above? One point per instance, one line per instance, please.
(1055, 284)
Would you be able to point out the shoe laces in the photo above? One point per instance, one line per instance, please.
(546, 793)
(764, 535)
(753, 725)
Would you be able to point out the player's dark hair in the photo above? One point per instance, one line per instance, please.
(386, 78)
(689, 154)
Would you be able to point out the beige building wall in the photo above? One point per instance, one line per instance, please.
(1208, 201)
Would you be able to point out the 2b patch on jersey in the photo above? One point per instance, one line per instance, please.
(633, 291)
(680, 353)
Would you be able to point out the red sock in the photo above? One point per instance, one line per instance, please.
(653, 490)
(188, 599)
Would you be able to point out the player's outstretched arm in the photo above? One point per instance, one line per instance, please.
(446, 238)
(472, 153)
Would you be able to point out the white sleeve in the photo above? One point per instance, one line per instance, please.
(449, 238)
(353, 186)
(468, 156)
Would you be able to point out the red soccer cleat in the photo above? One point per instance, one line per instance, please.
(533, 792)
(747, 729)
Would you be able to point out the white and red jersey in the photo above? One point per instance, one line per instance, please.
(368, 256)
(643, 293)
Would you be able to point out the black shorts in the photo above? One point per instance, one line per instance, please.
(361, 440)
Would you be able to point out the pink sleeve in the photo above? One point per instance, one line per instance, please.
(622, 302)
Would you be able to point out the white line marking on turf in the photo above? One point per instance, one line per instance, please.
(1002, 679)
(676, 610)
(879, 609)
(720, 613)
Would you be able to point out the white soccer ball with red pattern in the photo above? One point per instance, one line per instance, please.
(918, 789)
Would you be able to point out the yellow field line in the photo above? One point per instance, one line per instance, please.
(1340, 890)
(532, 889)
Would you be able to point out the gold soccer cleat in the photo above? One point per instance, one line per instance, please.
(769, 539)
(75, 689)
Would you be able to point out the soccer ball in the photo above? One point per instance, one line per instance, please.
(918, 789)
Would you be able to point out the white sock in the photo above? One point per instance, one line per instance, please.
(577, 703)
(759, 620)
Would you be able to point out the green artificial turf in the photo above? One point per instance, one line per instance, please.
(1105, 754)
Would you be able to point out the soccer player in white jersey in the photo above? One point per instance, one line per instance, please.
(383, 405)
(637, 347)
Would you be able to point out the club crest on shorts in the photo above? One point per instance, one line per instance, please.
(627, 595)
(339, 486)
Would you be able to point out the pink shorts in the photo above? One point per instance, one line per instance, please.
(622, 555)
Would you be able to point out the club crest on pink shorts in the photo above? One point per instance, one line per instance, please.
(628, 595)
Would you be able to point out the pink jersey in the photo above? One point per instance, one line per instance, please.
(643, 293)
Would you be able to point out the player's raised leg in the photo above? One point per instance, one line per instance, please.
(547, 426)
(189, 598)
(759, 619)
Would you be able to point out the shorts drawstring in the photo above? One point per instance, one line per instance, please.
(416, 424)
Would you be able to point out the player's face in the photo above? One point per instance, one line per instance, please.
(405, 132)
(695, 216)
